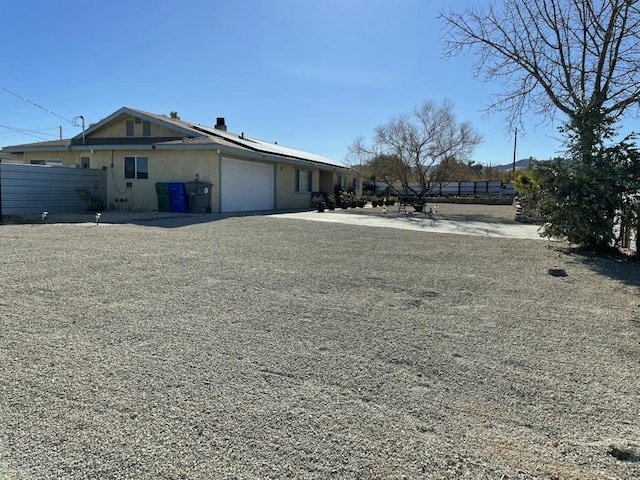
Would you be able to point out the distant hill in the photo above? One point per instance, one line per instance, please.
(520, 164)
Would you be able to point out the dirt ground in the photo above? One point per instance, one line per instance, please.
(259, 347)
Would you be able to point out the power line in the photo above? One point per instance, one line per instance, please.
(36, 105)
(23, 132)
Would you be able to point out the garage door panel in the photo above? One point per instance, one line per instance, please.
(246, 185)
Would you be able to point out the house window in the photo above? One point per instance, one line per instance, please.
(129, 128)
(303, 180)
(84, 162)
(136, 167)
(146, 128)
(342, 182)
(356, 185)
(53, 162)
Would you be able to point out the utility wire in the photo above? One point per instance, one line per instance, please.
(23, 132)
(36, 105)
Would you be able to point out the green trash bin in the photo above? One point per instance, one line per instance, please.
(164, 199)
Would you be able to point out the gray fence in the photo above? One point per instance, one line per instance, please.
(28, 189)
(454, 189)
(472, 188)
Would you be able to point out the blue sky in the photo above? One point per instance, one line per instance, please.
(309, 74)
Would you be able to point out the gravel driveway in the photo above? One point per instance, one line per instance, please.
(254, 347)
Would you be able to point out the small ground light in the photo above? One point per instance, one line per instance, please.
(98, 215)
(44, 216)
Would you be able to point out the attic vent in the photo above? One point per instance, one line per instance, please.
(220, 125)
(138, 120)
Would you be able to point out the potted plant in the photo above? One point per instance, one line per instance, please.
(392, 200)
(361, 201)
(345, 200)
(331, 201)
(374, 201)
(318, 202)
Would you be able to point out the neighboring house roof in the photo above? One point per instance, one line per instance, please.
(194, 136)
(50, 144)
(8, 157)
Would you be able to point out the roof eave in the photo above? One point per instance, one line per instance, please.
(257, 155)
(253, 154)
(135, 113)
(18, 149)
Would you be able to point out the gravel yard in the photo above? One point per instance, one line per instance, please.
(447, 211)
(256, 347)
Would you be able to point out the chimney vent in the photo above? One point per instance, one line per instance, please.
(220, 125)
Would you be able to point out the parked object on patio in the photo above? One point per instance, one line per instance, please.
(178, 195)
(199, 194)
(164, 200)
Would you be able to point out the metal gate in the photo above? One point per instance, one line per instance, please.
(28, 189)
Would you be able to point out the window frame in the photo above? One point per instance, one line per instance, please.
(146, 128)
(137, 173)
(52, 162)
(129, 128)
(309, 182)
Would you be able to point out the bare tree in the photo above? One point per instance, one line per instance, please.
(451, 170)
(579, 57)
(407, 147)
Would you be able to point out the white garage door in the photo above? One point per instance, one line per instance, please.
(246, 186)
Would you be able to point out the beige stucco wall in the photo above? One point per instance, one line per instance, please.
(182, 165)
(117, 129)
(286, 195)
(330, 179)
(164, 166)
(350, 179)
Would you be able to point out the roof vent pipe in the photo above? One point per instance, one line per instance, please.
(220, 125)
(82, 118)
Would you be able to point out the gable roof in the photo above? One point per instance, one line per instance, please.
(174, 124)
(191, 135)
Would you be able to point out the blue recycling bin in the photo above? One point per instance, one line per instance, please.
(178, 197)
